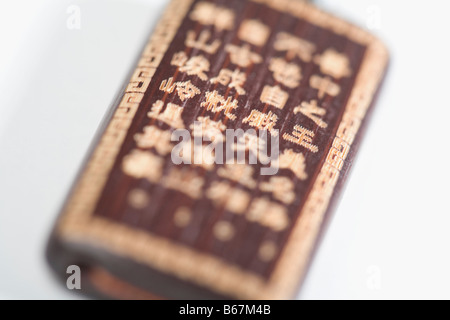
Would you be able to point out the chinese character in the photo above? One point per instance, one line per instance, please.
(281, 187)
(267, 251)
(254, 32)
(202, 42)
(302, 137)
(217, 103)
(334, 64)
(171, 115)
(268, 214)
(195, 66)
(312, 111)
(255, 145)
(274, 96)
(184, 180)
(155, 138)
(141, 164)
(295, 162)
(167, 85)
(224, 195)
(240, 173)
(213, 99)
(262, 121)
(179, 59)
(233, 79)
(182, 217)
(289, 74)
(324, 86)
(213, 130)
(186, 90)
(294, 46)
(209, 14)
(138, 198)
(224, 231)
(243, 56)
(196, 155)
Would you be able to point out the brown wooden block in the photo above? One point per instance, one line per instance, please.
(142, 226)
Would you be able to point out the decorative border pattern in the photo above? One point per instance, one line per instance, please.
(77, 224)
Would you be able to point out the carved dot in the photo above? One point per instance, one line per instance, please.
(182, 217)
(267, 251)
(138, 199)
(224, 231)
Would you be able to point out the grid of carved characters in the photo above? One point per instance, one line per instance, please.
(237, 182)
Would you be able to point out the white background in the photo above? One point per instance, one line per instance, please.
(389, 237)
